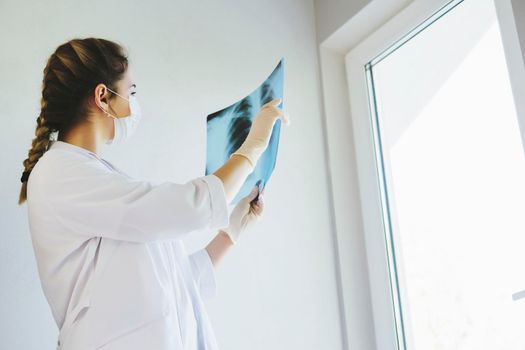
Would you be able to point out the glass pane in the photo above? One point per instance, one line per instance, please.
(454, 182)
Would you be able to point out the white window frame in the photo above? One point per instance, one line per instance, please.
(367, 305)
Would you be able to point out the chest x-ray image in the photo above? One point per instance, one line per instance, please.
(227, 129)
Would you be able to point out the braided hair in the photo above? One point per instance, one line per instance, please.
(70, 75)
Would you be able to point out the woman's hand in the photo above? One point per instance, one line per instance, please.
(245, 214)
(261, 130)
(235, 171)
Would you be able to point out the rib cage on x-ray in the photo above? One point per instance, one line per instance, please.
(241, 123)
(229, 127)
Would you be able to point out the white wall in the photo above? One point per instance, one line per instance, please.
(332, 14)
(277, 287)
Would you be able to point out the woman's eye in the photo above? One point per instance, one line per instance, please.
(134, 92)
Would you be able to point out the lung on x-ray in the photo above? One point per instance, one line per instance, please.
(227, 129)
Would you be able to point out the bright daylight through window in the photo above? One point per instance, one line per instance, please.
(454, 181)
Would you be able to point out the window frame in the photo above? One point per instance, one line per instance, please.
(372, 31)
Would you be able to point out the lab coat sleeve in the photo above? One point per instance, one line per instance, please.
(94, 201)
(204, 273)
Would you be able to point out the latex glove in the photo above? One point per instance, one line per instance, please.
(245, 214)
(260, 132)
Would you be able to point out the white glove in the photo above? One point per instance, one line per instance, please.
(260, 132)
(245, 214)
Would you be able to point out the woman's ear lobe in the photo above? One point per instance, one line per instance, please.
(103, 97)
(101, 104)
(98, 103)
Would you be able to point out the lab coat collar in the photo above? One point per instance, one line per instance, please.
(57, 144)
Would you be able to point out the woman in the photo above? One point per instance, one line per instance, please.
(108, 247)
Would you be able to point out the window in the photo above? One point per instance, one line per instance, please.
(451, 171)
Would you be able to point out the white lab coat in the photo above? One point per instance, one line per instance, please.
(111, 261)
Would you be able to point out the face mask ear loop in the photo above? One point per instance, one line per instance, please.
(107, 113)
(116, 93)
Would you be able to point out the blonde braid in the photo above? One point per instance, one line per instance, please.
(39, 146)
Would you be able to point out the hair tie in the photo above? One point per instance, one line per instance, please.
(25, 176)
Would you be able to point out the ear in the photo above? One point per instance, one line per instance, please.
(101, 96)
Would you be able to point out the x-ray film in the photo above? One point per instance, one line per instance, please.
(227, 129)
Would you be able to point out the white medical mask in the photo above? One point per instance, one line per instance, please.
(125, 126)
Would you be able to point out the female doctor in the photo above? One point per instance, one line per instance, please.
(108, 247)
